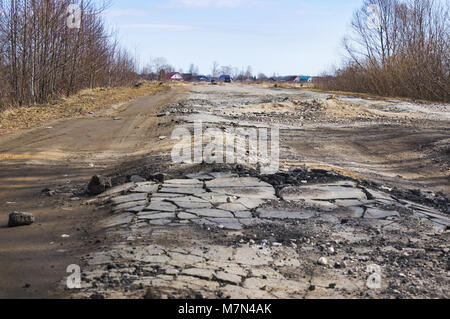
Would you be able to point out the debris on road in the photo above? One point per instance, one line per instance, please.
(311, 230)
(98, 185)
(17, 219)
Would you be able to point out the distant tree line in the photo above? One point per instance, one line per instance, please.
(398, 48)
(49, 48)
(158, 68)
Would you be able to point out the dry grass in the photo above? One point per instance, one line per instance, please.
(295, 85)
(287, 85)
(315, 87)
(77, 105)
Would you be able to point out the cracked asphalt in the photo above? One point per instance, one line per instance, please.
(334, 224)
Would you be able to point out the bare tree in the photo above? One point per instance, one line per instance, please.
(193, 69)
(226, 70)
(42, 55)
(402, 52)
(262, 77)
(215, 69)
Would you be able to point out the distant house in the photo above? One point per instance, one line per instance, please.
(287, 78)
(187, 76)
(303, 79)
(175, 76)
(225, 78)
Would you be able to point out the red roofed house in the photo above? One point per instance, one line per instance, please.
(175, 76)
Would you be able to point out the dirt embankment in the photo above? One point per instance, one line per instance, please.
(61, 156)
(81, 104)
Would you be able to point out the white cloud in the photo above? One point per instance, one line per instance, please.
(217, 3)
(114, 13)
(159, 27)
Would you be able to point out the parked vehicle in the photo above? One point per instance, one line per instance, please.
(225, 78)
(203, 79)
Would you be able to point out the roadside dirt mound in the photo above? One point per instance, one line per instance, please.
(333, 107)
(330, 108)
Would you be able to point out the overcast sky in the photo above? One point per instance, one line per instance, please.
(283, 37)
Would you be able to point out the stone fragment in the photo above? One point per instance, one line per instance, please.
(129, 198)
(228, 278)
(157, 205)
(237, 182)
(321, 192)
(323, 205)
(190, 202)
(129, 205)
(17, 219)
(194, 205)
(183, 183)
(195, 284)
(136, 209)
(118, 189)
(242, 187)
(166, 196)
(192, 190)
(353, 202)
(99, 184)
(374, 213)
(214, 213)
(378, 195)
(284, 215)
(153, 216)
(250, 192)
(187, 216)
(245, 214)
(180, 259)
(214, 198)
(323, 261)
(250, 257)
(148, 187)
(233, 207)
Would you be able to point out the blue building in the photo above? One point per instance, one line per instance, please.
(304, 79)
(225, 78)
